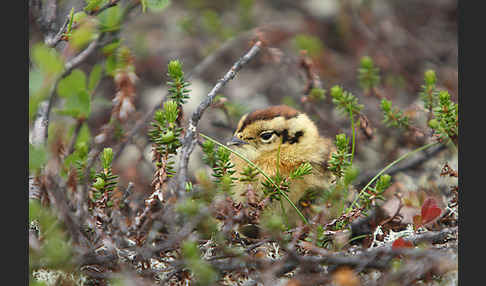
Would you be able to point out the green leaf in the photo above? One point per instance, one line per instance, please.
(79, 16)
(71, 20)
(144, 5)
(35, 81)
(47, 59)
(95, 77)
(92, 5)
(73, 84)
(110, 19)
(78, 106)
(110, 65)
(37, 157)
(111, 47)
(34, 209)
(34, 102)
(83, 35)
(38, 91)
(156, 5)
(84, 135)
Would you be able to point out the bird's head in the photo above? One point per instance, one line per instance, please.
(261, 132)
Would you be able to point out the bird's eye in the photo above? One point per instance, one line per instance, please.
(266, 136)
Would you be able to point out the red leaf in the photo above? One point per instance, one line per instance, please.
(430, 210)
(401, 243)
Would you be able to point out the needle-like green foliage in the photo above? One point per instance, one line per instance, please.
(178, 86)
(317, 94)
(249, 174)
(345, 101)
(105, 180)
(393, 116)
(165, 135)
(368, 74)
(428, 94)
(219, 160)
(223, 170)
(209, 155)
(341, 159)
(376, 193)
(445, 120)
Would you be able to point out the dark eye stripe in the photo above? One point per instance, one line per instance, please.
(286, 137)
(268, 114)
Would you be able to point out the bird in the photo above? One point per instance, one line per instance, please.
(285, 136)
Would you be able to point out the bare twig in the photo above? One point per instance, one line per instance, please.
(37, 136)
(37, 139)
(46, 22)
(197, 71)
(77, 129)
(190, 138)
(127, 192)
(68, 68)
(53, 41)
(377, 258)
(34, 190)
(110, 4)
(173, 241)
(73, 225)
(434, 236)
(45, 14)
(313, 80)
(426, 155)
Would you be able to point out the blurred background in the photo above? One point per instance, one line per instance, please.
(403, 38)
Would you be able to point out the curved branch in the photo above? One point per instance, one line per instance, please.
(190, 140)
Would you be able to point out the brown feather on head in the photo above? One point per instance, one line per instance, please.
(280, 138)
(263, 133)
(267, 114)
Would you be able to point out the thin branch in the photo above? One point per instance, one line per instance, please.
(77, 129)
(434, 236)
(190, 138)
(76, 60)
(426, 155)
(110, 4)
(37, 136)
(127, 192)
(386, 170)
(34, 190)
(45, 16)
(197, 71)
(53, 41)
(68, 68)
(73, 225)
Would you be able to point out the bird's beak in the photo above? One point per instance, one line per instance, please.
(236, 141)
